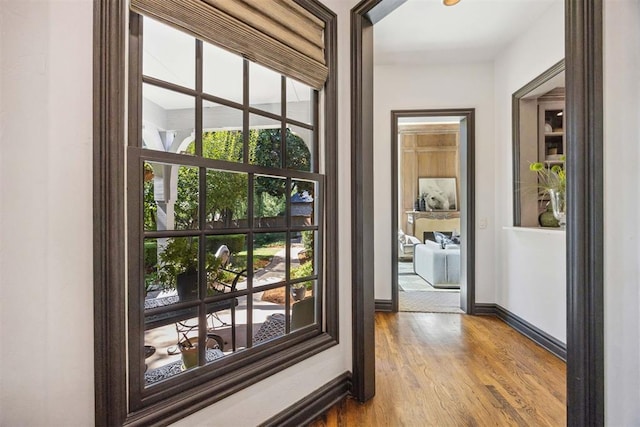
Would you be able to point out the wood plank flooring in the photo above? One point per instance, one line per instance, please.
(436, 369)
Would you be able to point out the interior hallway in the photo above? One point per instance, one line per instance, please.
(436, 369)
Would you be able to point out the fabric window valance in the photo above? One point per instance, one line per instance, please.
(278, 34)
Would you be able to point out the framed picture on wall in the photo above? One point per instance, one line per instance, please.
(439, 193)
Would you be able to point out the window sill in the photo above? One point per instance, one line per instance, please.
(538, 230)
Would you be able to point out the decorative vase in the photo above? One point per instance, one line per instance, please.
(558, 204)
(547, 219)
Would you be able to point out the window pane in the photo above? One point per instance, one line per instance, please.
(222, 132)
(269, 315)
(168, 54)
(223, 73)
(264, 141)
(173, 349)
(299, 101)
(269, 252)
(175, 273)
(303, 310)
(299, 148)
(303, 255)
(265, 89)
(163, 358)
(168, 119)
(226, 264)
(227, 324)
(303, 203)
(170, 197)
(269, 201)
(227, 202)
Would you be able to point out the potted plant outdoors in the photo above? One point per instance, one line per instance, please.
(179, 266)
(299, 290)
(552, 181)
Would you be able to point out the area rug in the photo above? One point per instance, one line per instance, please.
(430, 302)
(413, 282)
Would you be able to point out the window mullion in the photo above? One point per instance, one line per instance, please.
(315, 158)
(245, 111)
(283, 132)
(202, 204)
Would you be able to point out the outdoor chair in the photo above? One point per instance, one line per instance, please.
(160, 311)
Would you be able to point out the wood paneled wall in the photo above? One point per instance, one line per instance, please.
(426, 151)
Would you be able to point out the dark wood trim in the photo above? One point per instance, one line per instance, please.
(395, 220)
(467, 199)
(363, 305)
(543, 339)
(108, 210)
(584, 124)
(331, 184)
(306, 410)
(485, 309)
(385, 305)
(382, 9)
(515, 132)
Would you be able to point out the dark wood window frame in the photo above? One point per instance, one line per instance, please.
(113, 406)
(547, 75)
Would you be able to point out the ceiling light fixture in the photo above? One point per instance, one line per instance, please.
(450, 2)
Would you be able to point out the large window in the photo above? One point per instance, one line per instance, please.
(230, 214)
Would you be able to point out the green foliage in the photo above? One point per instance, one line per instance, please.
(550, 178)
(307, 243)
(226, 191)
(303, 270)
(150, 250)
(150, 207)
(269, 206)
(186, 205)
(265, 151)
(268, 239)
(235, 243)
(180, 255)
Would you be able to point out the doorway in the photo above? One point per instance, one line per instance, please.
(584, 115)
(433, 182)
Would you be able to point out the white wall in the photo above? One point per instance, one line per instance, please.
(398, 87)
(534, 267)
(46, 299)
(523, 60)
(622, 212)
(46, 275)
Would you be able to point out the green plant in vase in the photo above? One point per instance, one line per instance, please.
(552, 182)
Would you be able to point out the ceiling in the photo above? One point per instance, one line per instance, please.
(426, 31)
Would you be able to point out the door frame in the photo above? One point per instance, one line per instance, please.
(585, 266)
(466, 203)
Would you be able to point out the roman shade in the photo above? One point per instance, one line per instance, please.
(278, 34)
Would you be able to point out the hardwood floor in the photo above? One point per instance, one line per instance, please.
(437, 369)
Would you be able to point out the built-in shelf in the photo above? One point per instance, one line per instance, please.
(551, 125)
